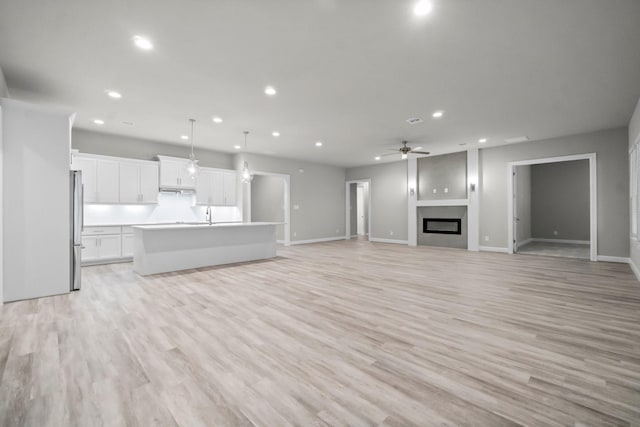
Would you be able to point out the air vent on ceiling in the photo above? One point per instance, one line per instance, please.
(516, 139)
(414, 120)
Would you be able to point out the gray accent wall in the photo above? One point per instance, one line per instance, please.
(267, 201)
(443, 240)
(388, 195)
(144, 149)
(523, 200)
(443, 177)
(634, 135)
(611, 148)
(318, 192)
(4, 90)
(560, 200)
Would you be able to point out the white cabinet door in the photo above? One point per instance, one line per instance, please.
(90, 248)
(230, 180)
(186, 180)
(169, 173)
(109, 247)
(129, 183)
(107, 181)
(217, 189)
(127, 245)
(88, 168)
(203, 188)
(149, 183)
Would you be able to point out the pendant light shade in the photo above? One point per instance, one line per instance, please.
(246, 174)
(192, 165)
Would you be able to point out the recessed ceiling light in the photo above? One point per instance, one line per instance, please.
(185, 137)
(237, 147)
(319, 144)
(142, 43)
(437, 114)
(113, 94)
(217, 120)
(98, 122)
(422, 8)
(270, 90)
(378, 157)
(276, 134)
(482, 140)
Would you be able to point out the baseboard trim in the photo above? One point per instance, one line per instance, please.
(635, 269)
(395, 242)
(524, 242)
(606, 258)
(321, 240)
(494, 249)
(573, 242)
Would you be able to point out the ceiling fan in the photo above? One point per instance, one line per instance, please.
(405, 150)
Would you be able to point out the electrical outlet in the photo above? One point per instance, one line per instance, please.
(337, 231)
(486, 238)
(446, 190)
(295, 234)
(435, 190)
(296, 207)
(555, 232)
(390, 233)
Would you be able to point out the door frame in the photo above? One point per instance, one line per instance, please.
(348, 207)
(593, 196)
(287, 202)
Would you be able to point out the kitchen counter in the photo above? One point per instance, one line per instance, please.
(162, 248)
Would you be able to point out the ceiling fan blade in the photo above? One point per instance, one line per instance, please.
(390, 154)
(393, 149)
(420, 152)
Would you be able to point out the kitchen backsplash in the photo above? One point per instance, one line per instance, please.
(171, 207)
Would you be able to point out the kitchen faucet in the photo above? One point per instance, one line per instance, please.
(208, 216)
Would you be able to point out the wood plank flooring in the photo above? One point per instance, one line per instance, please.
(333, 334)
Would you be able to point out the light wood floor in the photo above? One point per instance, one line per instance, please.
(343, 333)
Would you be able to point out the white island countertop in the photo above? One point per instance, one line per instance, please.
(162, 248)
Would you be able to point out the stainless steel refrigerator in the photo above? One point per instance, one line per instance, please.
(77, 224)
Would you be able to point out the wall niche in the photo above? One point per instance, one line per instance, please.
(443, 177)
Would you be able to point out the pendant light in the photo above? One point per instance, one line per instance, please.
(192, 165)
(246, 175)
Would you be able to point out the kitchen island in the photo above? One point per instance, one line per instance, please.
(173, 247)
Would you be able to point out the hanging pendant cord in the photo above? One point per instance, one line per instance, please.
(192, 122)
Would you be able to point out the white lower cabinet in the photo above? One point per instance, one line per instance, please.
(101, 243)
(127, 245)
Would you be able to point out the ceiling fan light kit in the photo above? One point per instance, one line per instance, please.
(405, 150)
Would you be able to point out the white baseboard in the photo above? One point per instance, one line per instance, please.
(494, 249)
(524, 242)
(323, 239)
(635, 269)
(606, 258)
(573, 242)
(395, 242)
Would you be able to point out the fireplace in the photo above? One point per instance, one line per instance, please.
(442, 225)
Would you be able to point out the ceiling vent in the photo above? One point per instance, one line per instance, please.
(414, 120)
(516, 139)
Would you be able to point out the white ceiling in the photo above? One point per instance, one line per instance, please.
(348, 72)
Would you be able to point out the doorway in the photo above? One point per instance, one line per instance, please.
(358, 204)
(268, 201)
(552, 207)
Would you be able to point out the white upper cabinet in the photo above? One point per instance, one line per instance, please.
(216, 187)
(100, 178)
(173, 173)
(229, 188)
(138, 182)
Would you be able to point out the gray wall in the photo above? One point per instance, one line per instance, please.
(611, 148)
(523, 193)
(267, 201)
(4, 90)
(144, 149)
(318, 192)
(437, 173)
(560, 200)
(388, 195)
(634, 134)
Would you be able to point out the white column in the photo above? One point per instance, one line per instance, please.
(473, 206)
(412, 197)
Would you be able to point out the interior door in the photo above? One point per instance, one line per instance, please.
(360, 210)
(515, 210)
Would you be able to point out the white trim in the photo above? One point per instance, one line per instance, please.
(347, 228)
(395, 242)
(412, 201)
(593, 196)
(524, 242)
(321, 240)
(444, 202)
(621, 260)
(635, 269)
(572, 242)
(494, 249)
(353, 236)
(287, 201)
(473, 200)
